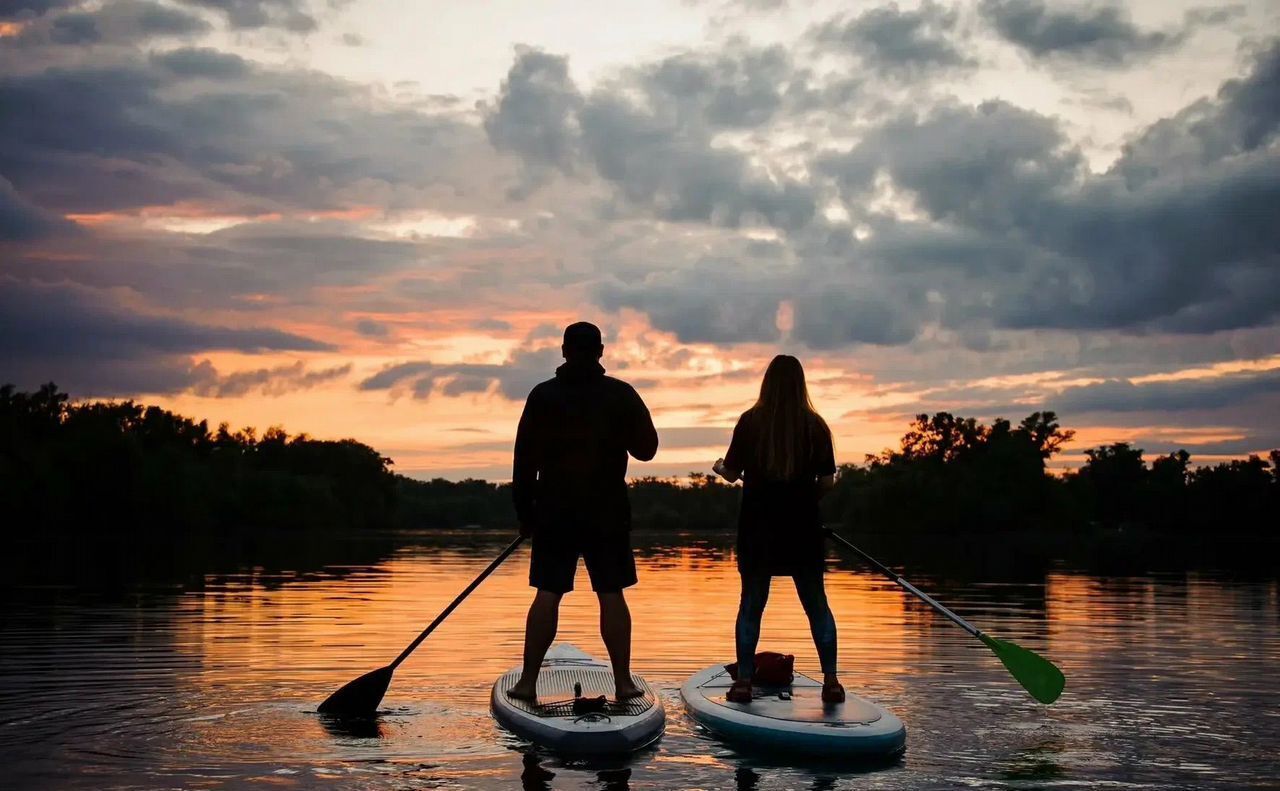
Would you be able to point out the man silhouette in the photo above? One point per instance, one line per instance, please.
(570, 491)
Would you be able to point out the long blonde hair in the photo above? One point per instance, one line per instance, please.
(788, 424)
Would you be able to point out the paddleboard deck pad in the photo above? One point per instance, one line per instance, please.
(793, 718)
(557, 723)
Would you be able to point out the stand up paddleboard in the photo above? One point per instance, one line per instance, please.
(793, 718)
(556, 722)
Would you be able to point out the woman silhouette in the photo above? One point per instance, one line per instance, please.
(782, 450)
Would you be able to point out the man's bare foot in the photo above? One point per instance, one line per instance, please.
(625, 690)
(522, 691)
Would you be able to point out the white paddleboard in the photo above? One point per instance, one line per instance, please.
(552, 722)
(794, 719)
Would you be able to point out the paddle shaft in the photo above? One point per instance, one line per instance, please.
(454, 604)
(907, 586)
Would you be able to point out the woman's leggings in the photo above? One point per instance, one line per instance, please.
(813, 597)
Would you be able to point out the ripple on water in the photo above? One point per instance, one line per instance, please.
(1170, 680)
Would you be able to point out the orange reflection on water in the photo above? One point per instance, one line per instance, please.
(224, 682)
(270, 643)
(317, 635)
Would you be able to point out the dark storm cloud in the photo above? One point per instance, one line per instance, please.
(193, 125)
(25, 9)
(655, 157)
(834, 318)
(70, 320)
(512, 380)
(738, 87)
(1100, 34)
(536, 111)
(651, 162)
(1214, 15)
(290, 15)
(1189, 251)
(1260, 439)
(897, 42)
(266, 381)
(1243, 118)
(1012, 231)
(120, 23)
(709, 302)
(1200, 394)
(74, 29)
(88, 342)
(202, 62)
(221, 269)
(22, 221)
(991, 166)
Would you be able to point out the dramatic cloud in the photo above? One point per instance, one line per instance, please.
(25, 9)
(291, 15)
(1203, 393)
(512, 379)
(266, 381)
(656, 158)
(1012, 231)
(1191, 252)
(193, 125)
(1242, 119)
(201, 62)
(86, 340)
(120, 23)
(229, 268)
(1100, 34)
(879, 193)
(897, 42)
(20, 220)
(741, 87)
(711, 302)
(653, 164)
(536, 114)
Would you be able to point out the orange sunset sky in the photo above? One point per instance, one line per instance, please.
(373, 220)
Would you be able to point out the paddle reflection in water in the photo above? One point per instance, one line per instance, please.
(539, 770)
(215, 681)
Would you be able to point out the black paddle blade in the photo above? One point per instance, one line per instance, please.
(359, 698)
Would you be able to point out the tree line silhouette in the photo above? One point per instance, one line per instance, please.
(119, 466)
(106, 467)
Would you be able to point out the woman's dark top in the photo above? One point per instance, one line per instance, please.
(779, 525)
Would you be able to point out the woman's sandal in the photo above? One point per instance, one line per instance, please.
(740, 692)
(832, 692)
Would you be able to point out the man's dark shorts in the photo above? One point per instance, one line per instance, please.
(607, 554)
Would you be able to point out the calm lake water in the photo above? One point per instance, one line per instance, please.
(158, 676)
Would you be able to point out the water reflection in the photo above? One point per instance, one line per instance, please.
(613, 774)
(161, 684)
(1036, 763)
(352, 727)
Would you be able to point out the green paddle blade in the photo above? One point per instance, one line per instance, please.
(1038, 675)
